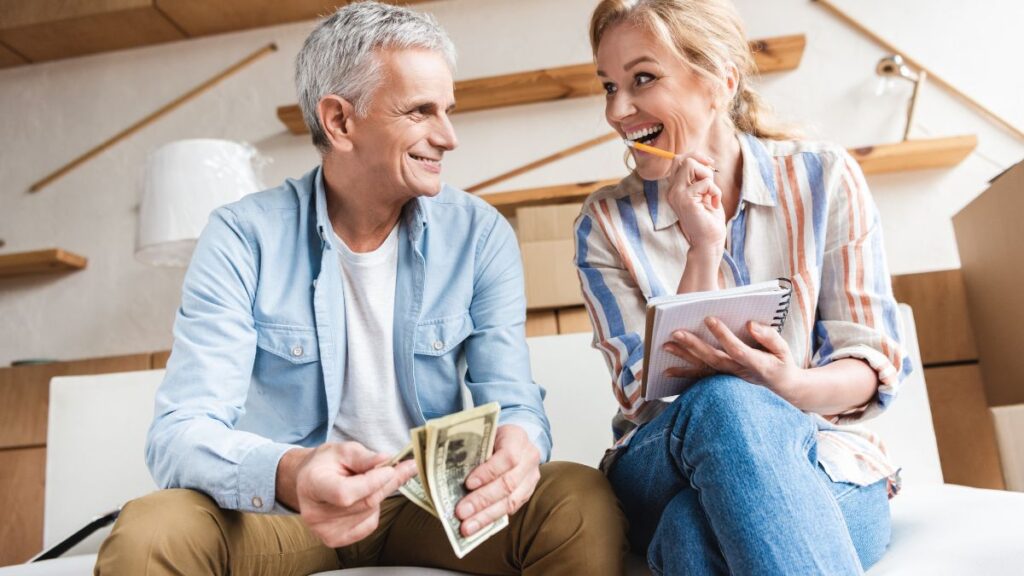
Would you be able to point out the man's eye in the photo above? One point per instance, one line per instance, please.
(609, 88)
(643, 78)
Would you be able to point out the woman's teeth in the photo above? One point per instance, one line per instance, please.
(646, 134)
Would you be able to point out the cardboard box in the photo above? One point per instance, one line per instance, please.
(541, 323)
(964, 429)
(1010, 435)
(573, 320)
(540, 223)
(940, 312)
(551, 280)
(989, 237)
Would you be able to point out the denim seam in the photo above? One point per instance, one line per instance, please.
(688, 473)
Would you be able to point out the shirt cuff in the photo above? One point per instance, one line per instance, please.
(257, 479)
(889, 378)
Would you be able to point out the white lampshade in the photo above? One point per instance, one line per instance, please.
(184, 182)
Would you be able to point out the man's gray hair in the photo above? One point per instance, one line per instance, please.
(338, 56)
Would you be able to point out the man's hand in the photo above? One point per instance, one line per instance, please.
(503, 483)
(338, 489)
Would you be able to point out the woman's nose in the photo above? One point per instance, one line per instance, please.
(619, 107)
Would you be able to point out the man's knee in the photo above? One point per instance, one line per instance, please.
(576, 501)
(163, 528)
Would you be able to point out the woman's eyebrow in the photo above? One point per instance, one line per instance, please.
(632, 63)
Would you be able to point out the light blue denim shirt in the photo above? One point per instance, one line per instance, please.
(259, 341)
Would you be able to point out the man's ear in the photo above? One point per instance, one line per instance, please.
(336, 115)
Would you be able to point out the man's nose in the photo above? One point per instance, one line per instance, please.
(443, 136)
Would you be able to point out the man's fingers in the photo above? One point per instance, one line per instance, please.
(506, 506)
(494, 491)
(357, 459)
(498, 464)
(351, 492)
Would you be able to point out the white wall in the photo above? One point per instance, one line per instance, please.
(49, 113)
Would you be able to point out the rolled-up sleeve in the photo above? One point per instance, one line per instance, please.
(616, 307)
(192, 442)
(857, 314)
(497, 357)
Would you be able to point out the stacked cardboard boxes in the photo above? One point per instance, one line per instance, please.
(989, 238)
(546, 241)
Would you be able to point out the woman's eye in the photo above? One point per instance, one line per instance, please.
(609, 88)
(643, 78)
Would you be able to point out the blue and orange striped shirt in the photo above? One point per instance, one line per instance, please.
(805, 213)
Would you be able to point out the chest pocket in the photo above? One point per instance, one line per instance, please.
(294, 344)
(441, 336)
(286, 397)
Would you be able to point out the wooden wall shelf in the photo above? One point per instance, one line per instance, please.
(915, 154)
(42, 30)
(574, 81)
(40, 262)
(508, 202)
(899, 157)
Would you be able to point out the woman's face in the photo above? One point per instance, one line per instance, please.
(653, 97)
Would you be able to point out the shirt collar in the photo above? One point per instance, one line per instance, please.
(758, 183)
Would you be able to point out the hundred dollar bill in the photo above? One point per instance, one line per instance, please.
(419, 450)
(455, 445)
(413, 489)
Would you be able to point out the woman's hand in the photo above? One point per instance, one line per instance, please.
(697, 201)
(773, 367)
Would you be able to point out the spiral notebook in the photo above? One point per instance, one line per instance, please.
(764, 302)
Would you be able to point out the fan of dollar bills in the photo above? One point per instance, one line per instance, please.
(446, 451)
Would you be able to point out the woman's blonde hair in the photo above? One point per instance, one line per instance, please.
(707, 34)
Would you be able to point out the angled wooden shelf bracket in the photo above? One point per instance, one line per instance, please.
(575, 81)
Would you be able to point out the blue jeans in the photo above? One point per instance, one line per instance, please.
(726, 480)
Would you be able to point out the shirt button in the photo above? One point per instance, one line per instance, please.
(314, 282)
(297, 351)
(438, 344)
(257, 502)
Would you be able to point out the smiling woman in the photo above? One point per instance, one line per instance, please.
(748, 470)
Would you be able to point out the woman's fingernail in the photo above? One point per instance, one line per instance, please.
(472, 526)
(473, 483)
(711, 322)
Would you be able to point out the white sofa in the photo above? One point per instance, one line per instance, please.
(97, 428)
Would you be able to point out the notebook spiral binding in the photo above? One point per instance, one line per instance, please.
(779, 320)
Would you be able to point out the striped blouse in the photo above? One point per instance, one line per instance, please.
(805, 213)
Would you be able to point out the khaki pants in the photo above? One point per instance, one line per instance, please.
(571, 525)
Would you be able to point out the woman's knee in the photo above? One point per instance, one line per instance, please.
(736, 415)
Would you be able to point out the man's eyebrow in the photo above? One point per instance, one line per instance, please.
(632, 63)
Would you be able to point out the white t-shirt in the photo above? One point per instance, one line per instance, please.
(371, 411)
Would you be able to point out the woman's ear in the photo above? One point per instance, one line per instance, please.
(731, 80)
(336, 115)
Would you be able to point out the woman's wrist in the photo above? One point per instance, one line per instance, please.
(701, 271)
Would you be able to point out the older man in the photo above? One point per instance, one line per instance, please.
(322, 319)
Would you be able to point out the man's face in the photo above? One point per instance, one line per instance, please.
(400, 142)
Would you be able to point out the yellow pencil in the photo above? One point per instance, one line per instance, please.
(653, 150)
(650, 149)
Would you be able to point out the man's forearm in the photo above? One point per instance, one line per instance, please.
(287, 473)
